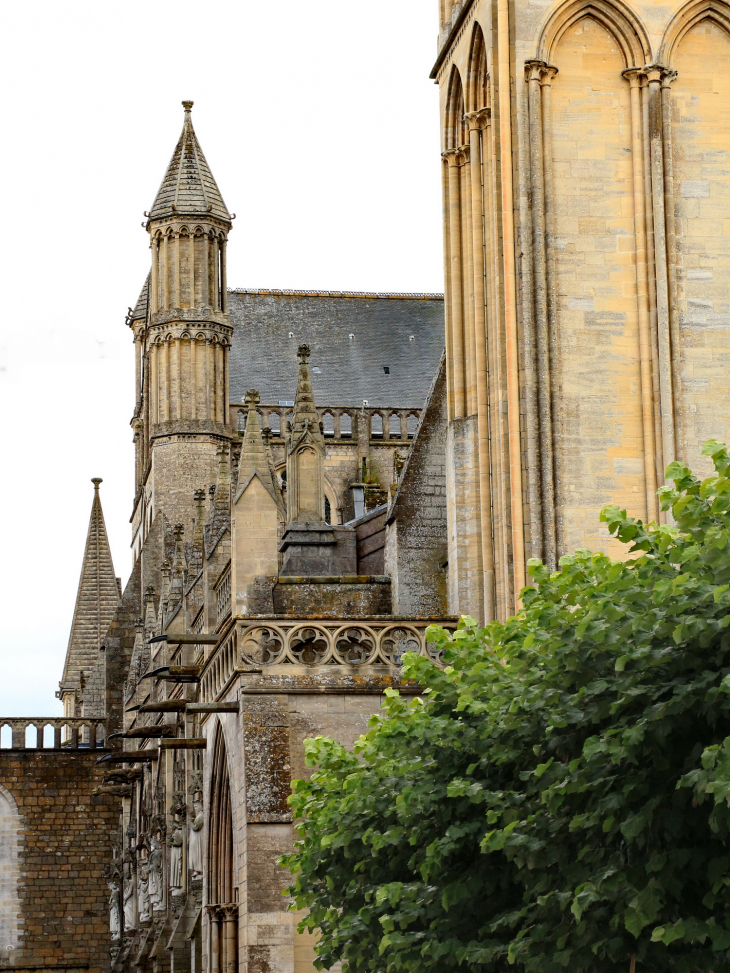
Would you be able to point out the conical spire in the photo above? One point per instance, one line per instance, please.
(150, 614)
(177, 583)
(305, 418)
(96, 600)
(254, 459)
(140, 309)
(221, 500)
(196, 551)
(189, 187)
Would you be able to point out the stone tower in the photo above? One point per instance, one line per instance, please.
(188, 329)
(586, 271)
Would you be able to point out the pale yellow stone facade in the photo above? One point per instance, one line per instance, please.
(289, 552)
(586, 192)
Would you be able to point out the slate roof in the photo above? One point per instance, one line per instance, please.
(188, 186)
(401, 332)
(96, 600)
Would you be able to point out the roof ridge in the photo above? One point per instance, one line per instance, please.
(380, 295)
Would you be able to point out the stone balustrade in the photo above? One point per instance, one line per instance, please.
(69, 733)
(278, 645)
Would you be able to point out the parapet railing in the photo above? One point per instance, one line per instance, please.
(339, 422)
(51, 733)
(369, 645)
(223, 595)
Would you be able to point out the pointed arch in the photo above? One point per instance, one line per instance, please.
(617, 18)
(220, 840)
(222, 894)
(455, 128)
(477, 82)
(688, 17)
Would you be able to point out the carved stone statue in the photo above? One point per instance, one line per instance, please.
(195, 860)
(143, 893)
(128, 893)
(115, 919)
(157, 899)
(176, 843)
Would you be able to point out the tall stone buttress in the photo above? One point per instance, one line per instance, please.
(188, 331)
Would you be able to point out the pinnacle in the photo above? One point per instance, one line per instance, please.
(305, 417)
(96, 600)
(254, 455)
(189, 188)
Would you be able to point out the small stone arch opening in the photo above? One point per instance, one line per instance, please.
(477, 78)
(328, 425)
(456, 132)
(275, 423)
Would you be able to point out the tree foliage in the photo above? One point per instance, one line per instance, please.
(559, 798)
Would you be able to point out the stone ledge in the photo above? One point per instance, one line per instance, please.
(335, 579)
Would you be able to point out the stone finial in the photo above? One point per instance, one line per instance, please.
(252, 399)
(96, 480)
(199, 496)
(303, 352)
(187, 105)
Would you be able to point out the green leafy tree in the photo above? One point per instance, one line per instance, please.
(559, 798)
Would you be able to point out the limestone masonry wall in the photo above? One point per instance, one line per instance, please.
(65, 837)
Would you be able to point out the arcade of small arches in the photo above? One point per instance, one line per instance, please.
(470, 94)
(188, 268)
(398, 425)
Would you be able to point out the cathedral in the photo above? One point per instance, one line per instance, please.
(321, 475)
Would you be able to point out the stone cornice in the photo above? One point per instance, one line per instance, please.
(187, 317)
(199, 332)
(453, 34)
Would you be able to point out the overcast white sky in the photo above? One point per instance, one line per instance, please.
(321, 127)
